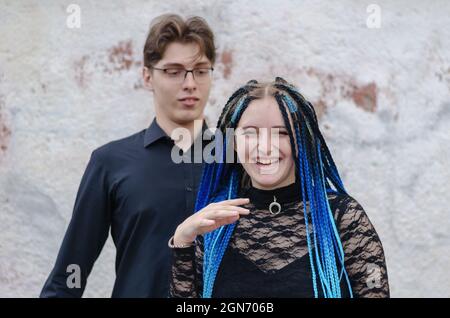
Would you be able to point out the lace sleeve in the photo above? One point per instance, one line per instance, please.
(364, 255)
(187, 271)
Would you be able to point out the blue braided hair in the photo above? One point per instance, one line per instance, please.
(314, 167)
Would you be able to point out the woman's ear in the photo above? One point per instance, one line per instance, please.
(147, 77)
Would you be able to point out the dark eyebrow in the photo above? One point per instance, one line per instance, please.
(206, 64)
(254, 127)
(167, 65)
(179, 65)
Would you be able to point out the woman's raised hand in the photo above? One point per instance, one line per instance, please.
(211, 217)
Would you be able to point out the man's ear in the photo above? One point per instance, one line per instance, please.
(147, 77)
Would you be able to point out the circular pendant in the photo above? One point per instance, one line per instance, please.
(275, 207)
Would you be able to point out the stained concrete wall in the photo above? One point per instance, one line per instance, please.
(383, 96)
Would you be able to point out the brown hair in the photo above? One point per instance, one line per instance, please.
(169, 28)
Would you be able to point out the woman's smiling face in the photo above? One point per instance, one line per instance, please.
(263, 146)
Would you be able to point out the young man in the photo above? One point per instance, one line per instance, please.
(132, 186)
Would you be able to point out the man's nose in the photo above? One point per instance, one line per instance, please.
(189, 82)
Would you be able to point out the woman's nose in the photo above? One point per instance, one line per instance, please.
(265, 142)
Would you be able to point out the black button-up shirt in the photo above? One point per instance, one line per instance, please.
(133, 187)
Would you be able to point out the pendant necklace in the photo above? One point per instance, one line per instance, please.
(274, 207)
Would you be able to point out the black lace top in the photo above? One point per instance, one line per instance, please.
(268, 254)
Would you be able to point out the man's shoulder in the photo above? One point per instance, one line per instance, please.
(115, 148)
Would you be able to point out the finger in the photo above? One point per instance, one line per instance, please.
(220, 214)
(227, 220)
(239, 201)
(232, 208)
(206, 222)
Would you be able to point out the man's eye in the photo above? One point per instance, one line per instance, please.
(173, 71)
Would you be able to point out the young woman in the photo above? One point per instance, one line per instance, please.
(278, 222)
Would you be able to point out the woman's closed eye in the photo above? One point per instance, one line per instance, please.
(280, 132)
(249, 132)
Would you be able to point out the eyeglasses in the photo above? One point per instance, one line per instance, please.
(178, 75)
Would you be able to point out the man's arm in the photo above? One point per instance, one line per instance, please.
(86, 234)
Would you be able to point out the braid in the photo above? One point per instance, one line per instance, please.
(216, 242)
(237, 95)
(306, 111)
(327, 245)
(287, 122)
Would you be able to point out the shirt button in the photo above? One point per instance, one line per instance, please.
(189, 189)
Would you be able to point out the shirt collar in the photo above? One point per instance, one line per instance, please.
(155, 132)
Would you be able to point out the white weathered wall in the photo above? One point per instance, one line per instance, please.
(383, 96)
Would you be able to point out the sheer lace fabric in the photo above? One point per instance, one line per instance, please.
(268, 255)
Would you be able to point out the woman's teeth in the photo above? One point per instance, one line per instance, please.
(267, 162)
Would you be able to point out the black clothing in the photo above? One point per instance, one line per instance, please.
(133, 187)
(268, 255)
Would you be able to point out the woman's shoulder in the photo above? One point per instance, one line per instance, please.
(343, 204)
